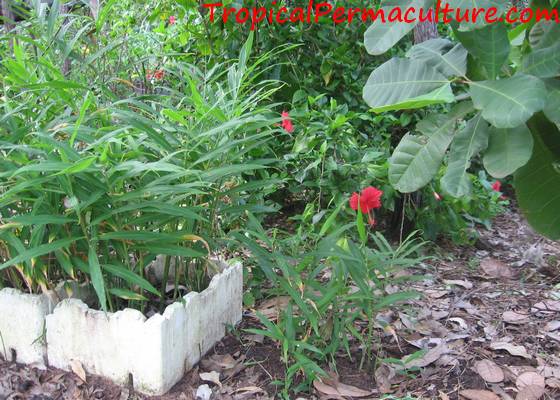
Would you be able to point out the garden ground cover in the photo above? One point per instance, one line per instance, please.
(488, 320)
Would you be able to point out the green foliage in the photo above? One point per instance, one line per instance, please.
(509, 77)
(330, 288)
(95, 187)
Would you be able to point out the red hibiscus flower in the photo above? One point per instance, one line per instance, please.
(157, 75)
(172, 20)
(368, 200)
(287, 122)
(497, 187)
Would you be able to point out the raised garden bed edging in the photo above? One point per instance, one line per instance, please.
(154, 352)
(22, 326)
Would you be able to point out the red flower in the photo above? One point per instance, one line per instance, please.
(371, 198)
(157, 75)
(368, 200)
(437, 196)
(172, 20)
(497, 186)
(287, 122)
(354, 200)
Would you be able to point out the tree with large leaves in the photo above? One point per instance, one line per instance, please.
(505, 83)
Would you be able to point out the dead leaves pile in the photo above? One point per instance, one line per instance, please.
(332, 388)
(28, 382)
(488, 325)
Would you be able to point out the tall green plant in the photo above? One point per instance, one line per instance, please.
(94, 186)
(503, 80)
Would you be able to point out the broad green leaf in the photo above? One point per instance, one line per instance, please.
(489, 45)
(544, 63)
(509, 102)
(552, 106)
(538, 182)
(508, 150)
(403, 84)
(470, 141)
(443, 55)
(468, 6)
(130, 277)
(382, 34)
(517, 35)
(39, 251)
(417, 158)
(96, 275)
(544, 34)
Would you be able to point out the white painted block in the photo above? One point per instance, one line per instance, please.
(157, 351)
(22, 320)
(22, 325)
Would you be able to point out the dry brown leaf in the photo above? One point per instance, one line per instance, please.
(249, 390)
(553, 383)
(478, 395)
(226, 364)
(552, 326)
(436, 294)
(218, 362)
(125, 394)
(271, 308)
(462, 323)
(464, 283)
(78, 369)
(547, 306)
(489, 371)
(512, 349)
(512, 317)
(431, 356)
(325, 389)
(496, 268)
(212, 376)
(352, 391)
(529, 379)
(383, 376)
(443, 396)
(530, 392)
(340, 390)
(255, 338)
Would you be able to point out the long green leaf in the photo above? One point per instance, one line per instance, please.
(509, 102)
(508, 150)
(39, 251)
(130, 277)
(96, 275)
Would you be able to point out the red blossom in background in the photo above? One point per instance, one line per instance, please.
(157, 75)
(437, 196)
(368, 200)
(497, 187)
(287, 122)
(172, 20)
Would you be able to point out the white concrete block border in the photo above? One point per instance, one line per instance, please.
(22, 326)
(153, 352)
